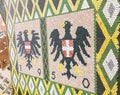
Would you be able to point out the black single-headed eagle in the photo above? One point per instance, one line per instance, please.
(70, 47)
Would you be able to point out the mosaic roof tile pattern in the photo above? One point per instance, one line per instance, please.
(107, 31)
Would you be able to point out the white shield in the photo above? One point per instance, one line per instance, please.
(68, 48)
(27, 47)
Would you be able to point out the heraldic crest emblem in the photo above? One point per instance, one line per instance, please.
(28, 48)
(70, 47)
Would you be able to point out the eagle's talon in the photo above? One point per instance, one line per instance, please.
(85, 64)
(88, 55)
(75, 64)
(54, 60)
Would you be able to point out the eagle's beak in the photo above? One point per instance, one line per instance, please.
(62, 24)
(28, 31)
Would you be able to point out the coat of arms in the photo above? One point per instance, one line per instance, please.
(70, 47)
(28, 48)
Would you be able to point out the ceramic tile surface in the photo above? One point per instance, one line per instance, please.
(70, 62)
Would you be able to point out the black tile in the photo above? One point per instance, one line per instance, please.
(56, 2)
(20, 8)
(100, 38)
(30, 6)
(74, 1)
(41, 4)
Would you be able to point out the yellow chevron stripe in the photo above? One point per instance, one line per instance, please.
(42, 14)
(107, 88)
(74, 7)
(115, 35)
(114, 89)
(107, 36)
(60, 90)
(97, 3)
(32, 13)
(47, 85)
(20, 18)
(80, 92)
(56, 11)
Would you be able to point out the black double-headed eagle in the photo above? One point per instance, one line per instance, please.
(70, 47)
(28, 48)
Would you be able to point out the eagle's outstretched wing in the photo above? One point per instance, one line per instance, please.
(55, 42)
(34, 44)
(83, 34)
(20, 44)
(82, 40)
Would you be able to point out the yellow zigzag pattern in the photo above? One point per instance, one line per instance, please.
(100, 21)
